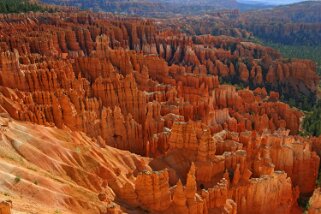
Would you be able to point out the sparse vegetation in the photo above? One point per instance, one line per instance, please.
(57, 211)
(304, 203)
(304, 133)
(17, 179)
(312, 121)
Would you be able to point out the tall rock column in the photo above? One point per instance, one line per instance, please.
(152, 189)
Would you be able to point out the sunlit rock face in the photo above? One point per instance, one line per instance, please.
(102, 114)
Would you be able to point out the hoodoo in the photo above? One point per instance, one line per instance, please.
(104, 113)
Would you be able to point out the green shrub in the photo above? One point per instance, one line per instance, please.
(312, 121)
(17, 179)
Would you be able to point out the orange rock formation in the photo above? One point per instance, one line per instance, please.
(315, 202)
(82, 83)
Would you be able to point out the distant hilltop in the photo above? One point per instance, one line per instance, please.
(269, 2)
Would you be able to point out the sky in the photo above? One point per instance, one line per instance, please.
(274, 2)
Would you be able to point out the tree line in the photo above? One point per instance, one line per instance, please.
(18, 6)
